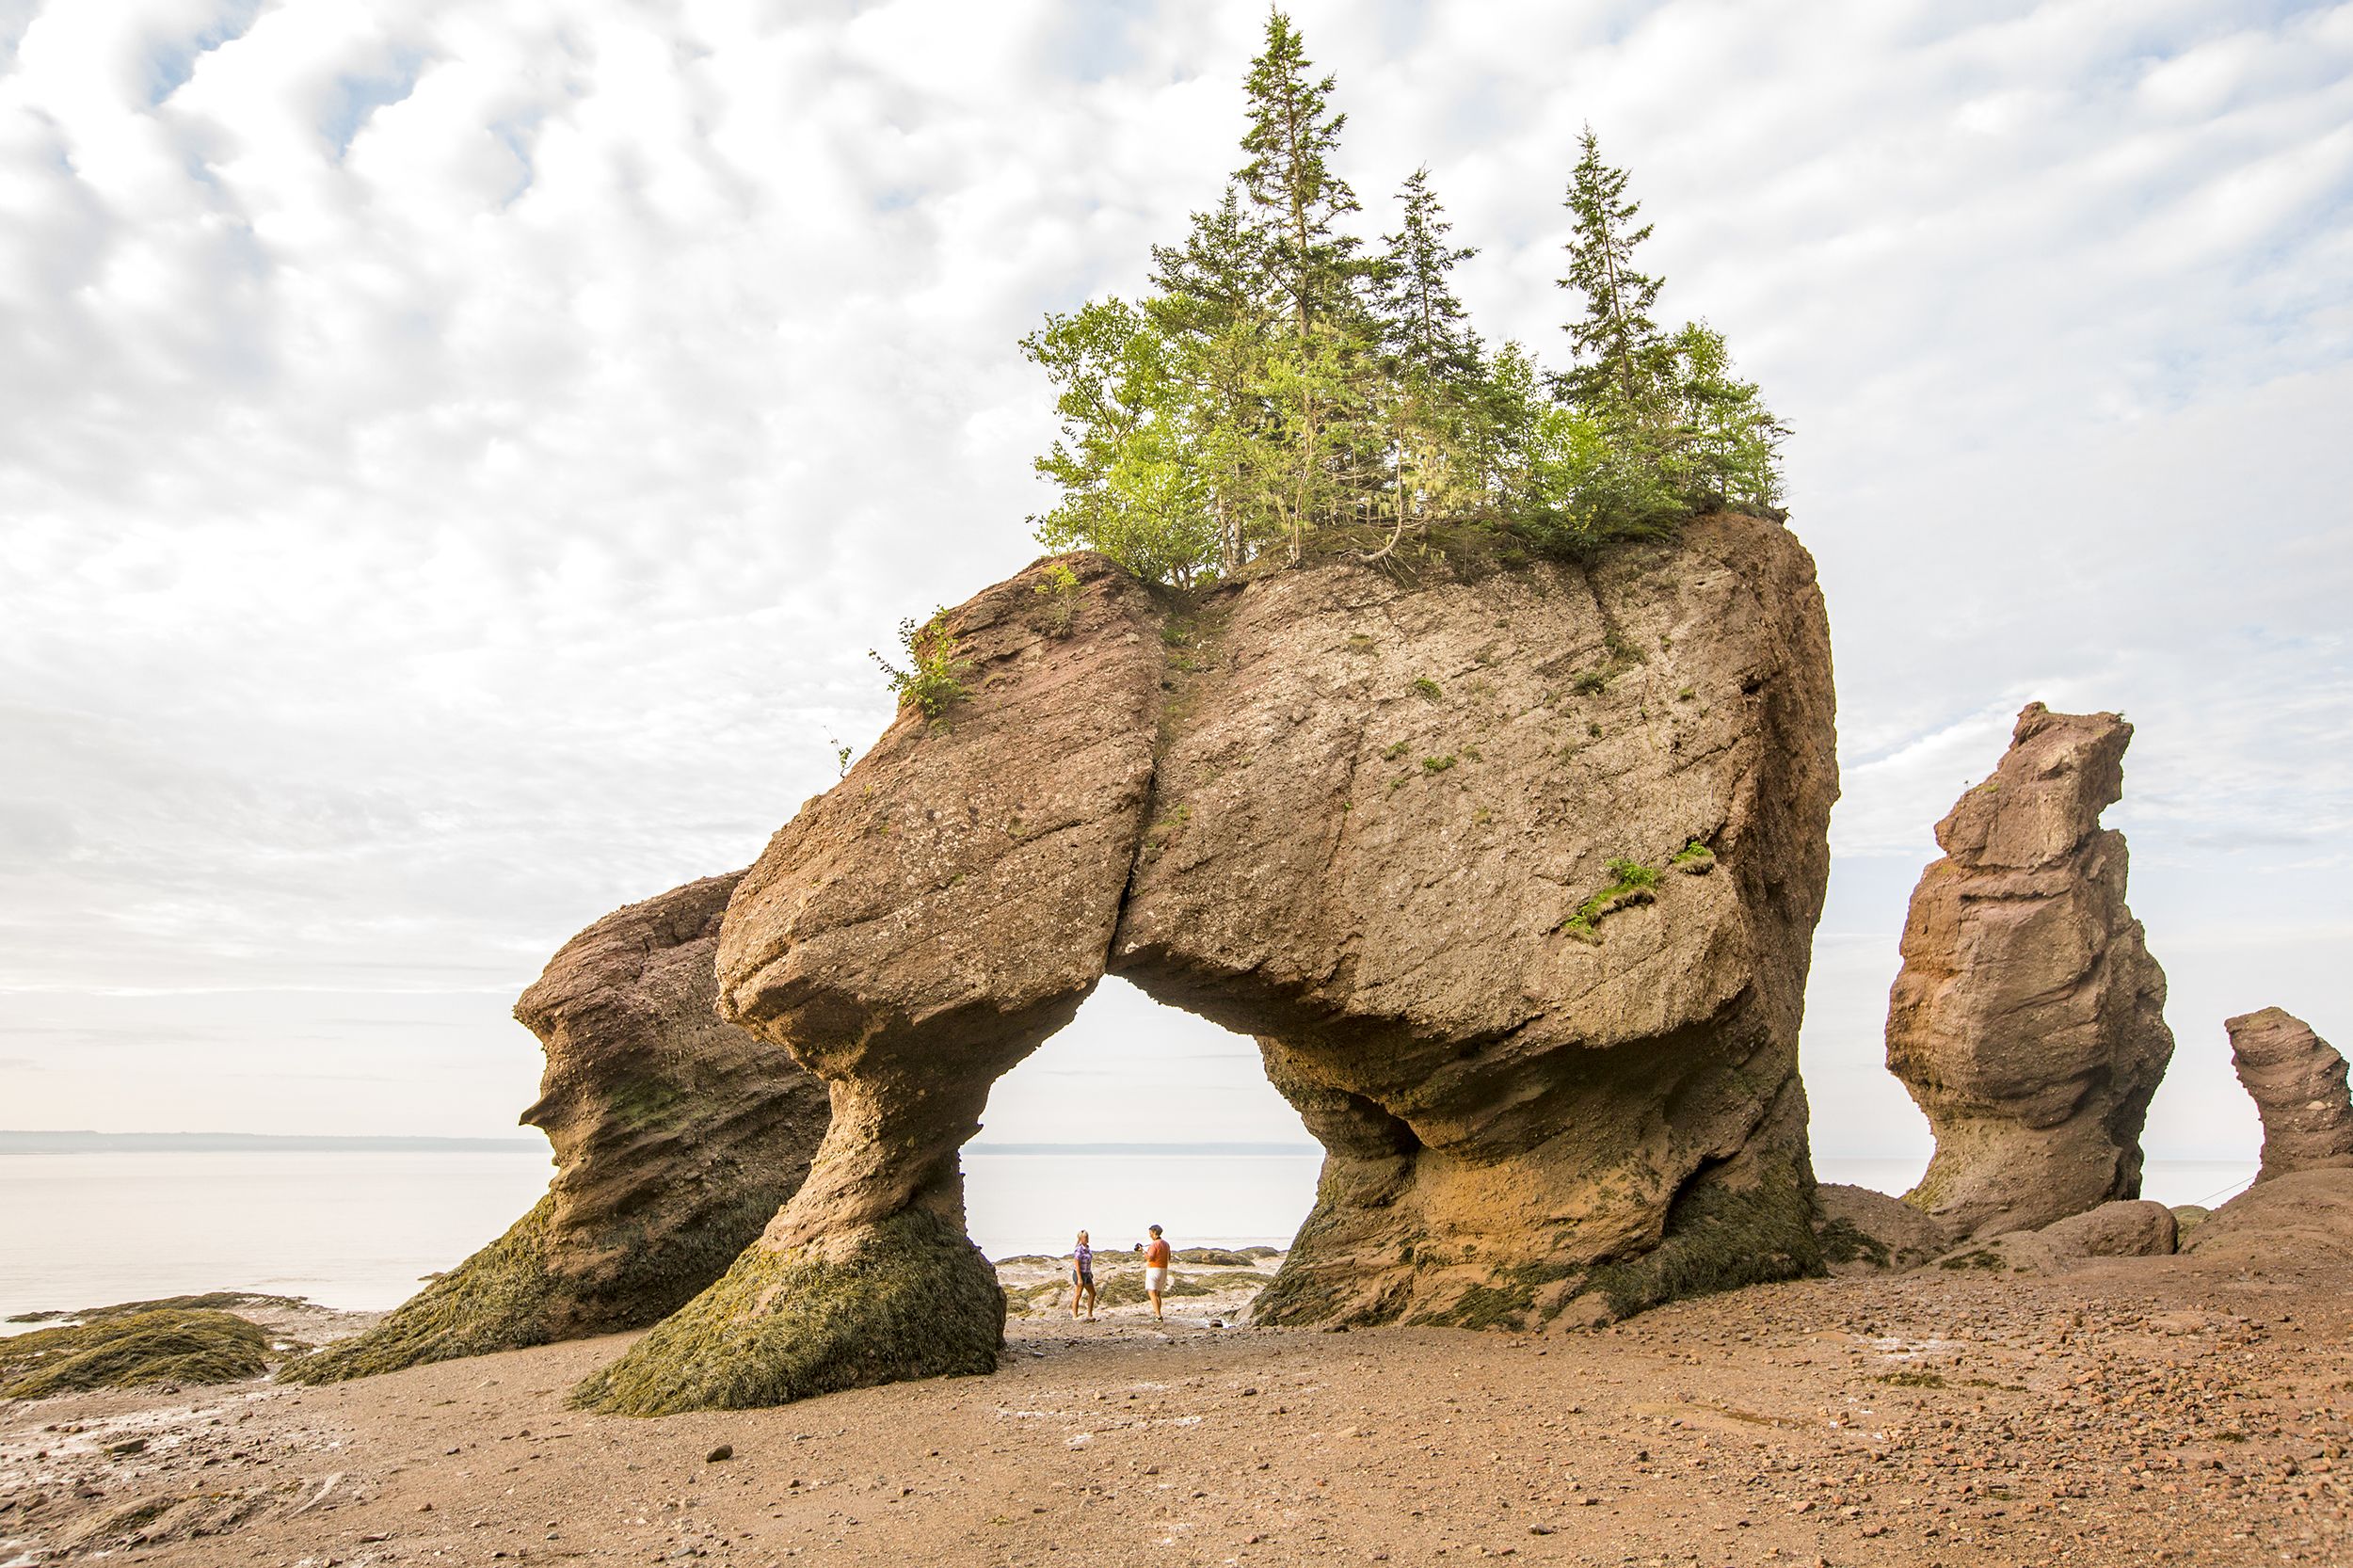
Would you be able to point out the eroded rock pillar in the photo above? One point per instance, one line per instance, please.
(2029, 1019)
(676, 1135)
(909, 937)
(2297, 1082)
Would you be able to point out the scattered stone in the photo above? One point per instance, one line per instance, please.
(723, 1452)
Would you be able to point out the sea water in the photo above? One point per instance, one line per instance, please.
(359, 1230)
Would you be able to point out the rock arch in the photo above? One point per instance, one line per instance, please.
(1513, 870)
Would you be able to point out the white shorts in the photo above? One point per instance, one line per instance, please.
(1156, 1279)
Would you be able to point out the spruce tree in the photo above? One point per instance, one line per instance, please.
(1298, 198)
(1616, 341)
(1424, 323)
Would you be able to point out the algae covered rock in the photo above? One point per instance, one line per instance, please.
(882, 1303)
(2297, 1082)
(2029, 1019)
(676, 1138)
(128, 1349)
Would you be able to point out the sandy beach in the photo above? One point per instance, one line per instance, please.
(2129, 1412)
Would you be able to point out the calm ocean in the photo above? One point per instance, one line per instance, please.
(358, 1229)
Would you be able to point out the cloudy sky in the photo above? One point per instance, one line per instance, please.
(454, 458)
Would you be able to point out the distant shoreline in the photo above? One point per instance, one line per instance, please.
(254, 1142)
(270, 1143)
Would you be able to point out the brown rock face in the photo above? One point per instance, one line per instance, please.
(1376, 820)
(1863, 1232)
(2282, 1224)
(2126, 1228)
(1513, 875)
(2028, 1018)
(676, 1137)
(2297, 1082)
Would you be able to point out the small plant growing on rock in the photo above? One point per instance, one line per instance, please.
(1693, 859)
(1058, 585)
(1425, 688)
(933, 680)
(1587, 682)
(1630, 882)
(1394, 752)
(1436, 764)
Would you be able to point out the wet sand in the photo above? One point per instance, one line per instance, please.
(2135, 1411)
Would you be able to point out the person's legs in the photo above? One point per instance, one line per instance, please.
(1078, 1290)
(1089, 1290)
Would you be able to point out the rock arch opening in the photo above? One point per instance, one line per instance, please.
(1134, 1115)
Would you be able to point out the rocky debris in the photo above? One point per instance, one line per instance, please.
(2297, 1082)
(2028, 1018)
(2303, 1214)
(1412, 835)
(911, 935)
(676, 1135)
(169, 1345)
(1861, 1231)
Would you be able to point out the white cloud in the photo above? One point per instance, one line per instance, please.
(453, 459)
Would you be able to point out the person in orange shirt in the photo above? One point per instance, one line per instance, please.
(1156, 1271)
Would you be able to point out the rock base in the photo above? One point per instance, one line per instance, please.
(908, 1297)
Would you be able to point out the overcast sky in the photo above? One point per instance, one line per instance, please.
(454, 459)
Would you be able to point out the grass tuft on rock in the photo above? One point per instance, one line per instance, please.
(166, 1346)
(913, 1299)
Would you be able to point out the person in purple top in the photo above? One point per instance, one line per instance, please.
(1082, 1277)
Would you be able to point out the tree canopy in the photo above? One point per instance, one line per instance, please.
(1284, 378)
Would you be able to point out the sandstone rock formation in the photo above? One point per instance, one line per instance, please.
(675, 1136)
(2297, 1082)
(1513, 873)
(2129, 1227)
(2029, 1020)
(1863, 1232)
(2125, 1228)
(2276, 1225)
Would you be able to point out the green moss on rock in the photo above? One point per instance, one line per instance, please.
(1718, 1237)
(167, 1346)
(497, 1300)
(910, 1297)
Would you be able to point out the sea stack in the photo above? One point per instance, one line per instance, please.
(2297, 1082)
(1511, 868)
(2029, 1019)
(675, 1136)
